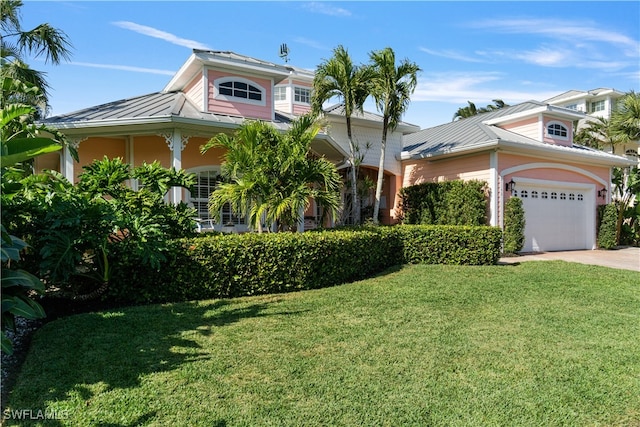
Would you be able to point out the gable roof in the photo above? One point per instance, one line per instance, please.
(573, 94)
(480, 133)
(153, 108)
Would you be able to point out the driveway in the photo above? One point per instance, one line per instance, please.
(627, 258)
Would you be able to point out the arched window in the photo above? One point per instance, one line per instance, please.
(237, 89)
(557, 130)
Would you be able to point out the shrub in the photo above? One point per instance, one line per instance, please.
(514, 223)
(227, 266)
(445, 203)
(607, 230)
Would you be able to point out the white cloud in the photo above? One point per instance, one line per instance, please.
(458, 88)
(450, 54)
(311, 43)
(159, 34)
(326, 9)
(125, 68)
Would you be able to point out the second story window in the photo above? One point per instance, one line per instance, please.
(279, 93)
(237, 89)
(557, 130)
(302, 95)
(597, 106)
(572, 106)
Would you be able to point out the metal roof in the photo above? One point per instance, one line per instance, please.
(474, 133)
(338, 110)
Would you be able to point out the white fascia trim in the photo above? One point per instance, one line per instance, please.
(334, 144)
(179, 74)
(544, 165)
(565, 112)
(260, 70)
(405, 155)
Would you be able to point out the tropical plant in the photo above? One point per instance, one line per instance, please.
(626, 187)
(391, 88)
(471, 109)
(596, 133)
(43, 40)
(19, 144)
(625, 118)
(340, 77)
(271, 176)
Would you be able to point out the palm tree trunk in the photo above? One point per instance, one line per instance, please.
(355, 208)
(383, 148)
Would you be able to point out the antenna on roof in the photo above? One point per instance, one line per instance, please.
(284, 52)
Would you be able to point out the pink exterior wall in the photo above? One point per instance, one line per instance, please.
(551, 140)
(238, 108)
(300, 109)
(465, 168)
(507, 161)
(527, 127)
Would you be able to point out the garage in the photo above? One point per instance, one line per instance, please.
(559, 215)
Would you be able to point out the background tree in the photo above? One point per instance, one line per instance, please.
(596, 133)
(625, 118)
(340, 77)
(41, 41)
(391, 88)
(471, 109)
(271, 176)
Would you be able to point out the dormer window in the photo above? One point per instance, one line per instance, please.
(279, 93)
(597, 106)
(557, 130)
(302, 95)
(237, 89)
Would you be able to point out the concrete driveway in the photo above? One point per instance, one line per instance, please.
(627, 258)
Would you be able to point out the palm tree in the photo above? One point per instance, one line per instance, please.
(272, 176)
(391, 88)
(464, 112)
(596, 133)
(625, 119)
(472, 110)
(340, 77)
(43, 40)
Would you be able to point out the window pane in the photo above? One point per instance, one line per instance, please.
(240, 85)
(256, 96)
(225, 91)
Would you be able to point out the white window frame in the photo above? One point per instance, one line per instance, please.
(280, 93)
(298, 95)
(230, 98)
(551, 133)
(595, 106)
(225, 212)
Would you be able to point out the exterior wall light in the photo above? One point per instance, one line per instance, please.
(602, 193)
(509, 186)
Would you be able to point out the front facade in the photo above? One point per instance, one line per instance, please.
(526, 151)
(529, 144)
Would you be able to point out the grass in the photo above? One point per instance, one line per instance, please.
(540, 343)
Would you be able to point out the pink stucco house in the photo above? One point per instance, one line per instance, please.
(529, 144)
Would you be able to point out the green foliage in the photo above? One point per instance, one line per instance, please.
(514, 224)
(271, 176)
(607, 231)
(445, 203)
(17, 285)
(226, 266)
(627, 200)
(89, 230)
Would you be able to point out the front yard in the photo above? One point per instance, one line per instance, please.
(541, 343)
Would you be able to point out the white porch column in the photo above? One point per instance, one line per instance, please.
(494, 188)
(66, 163)
(176, 143)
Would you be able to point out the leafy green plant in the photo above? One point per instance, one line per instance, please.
(445, 203)
(607, 232)
(514, 224)
(17, 287)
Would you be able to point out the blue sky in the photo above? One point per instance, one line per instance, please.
(477, 51)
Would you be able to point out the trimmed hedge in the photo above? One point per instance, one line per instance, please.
(445, 203)
(514, 225)
(249, 264)
(608, 226)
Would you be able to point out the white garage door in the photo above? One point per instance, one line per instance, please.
(559, 216)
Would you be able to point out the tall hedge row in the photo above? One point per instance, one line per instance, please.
(249, 264)
(445, 203)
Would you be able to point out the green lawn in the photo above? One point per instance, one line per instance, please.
(539, 344)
